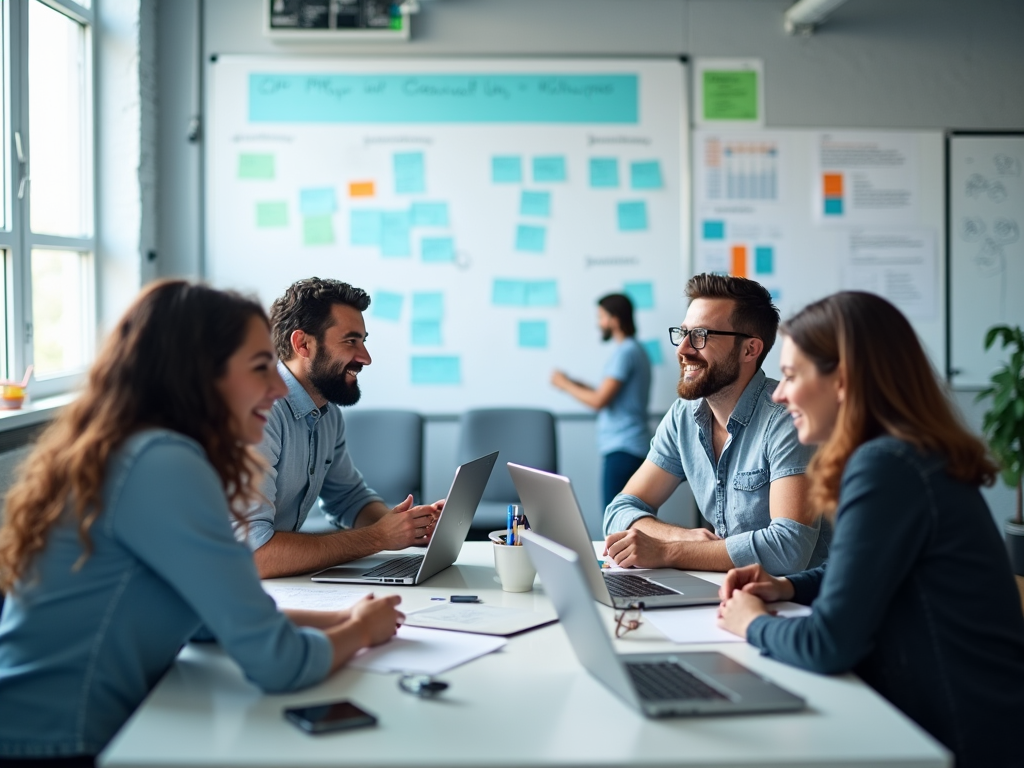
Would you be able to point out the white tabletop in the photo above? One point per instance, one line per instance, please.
(529, 704)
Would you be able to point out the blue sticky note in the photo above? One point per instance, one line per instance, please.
(764, 260)
(430, 214)
(426, 333)
(542, 293)
(530, 239)
(549, 168)
(410, 173)
(508, 293)
(436, 370)
(645, 174)
(506, 169)
(437, 249)
(365, 227)
(833, 206)
(533, 334)
(713, 230)
(395, 233)
(604, 172)
(535, 203)
(633, 216)
(653, 350)
(317, 202)
(386, 305)
(641, 294)
(427, 306)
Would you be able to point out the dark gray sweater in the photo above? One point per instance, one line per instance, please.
(919, 600)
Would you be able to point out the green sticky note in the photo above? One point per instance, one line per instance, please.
(272, 214)
(253, 166)
(317, 230)
(730, 95)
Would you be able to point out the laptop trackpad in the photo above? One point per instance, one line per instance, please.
(686, 584)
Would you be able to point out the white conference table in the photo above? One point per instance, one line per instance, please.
(530, 704)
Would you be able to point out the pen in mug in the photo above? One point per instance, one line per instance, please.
(515, 529)
(511, 518)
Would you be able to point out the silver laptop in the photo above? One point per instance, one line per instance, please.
(446, 542)
(657, 684)
(553, 511)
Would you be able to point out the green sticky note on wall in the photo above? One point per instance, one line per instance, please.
(255, 166)
(273, 214)
(730, 95)
(317, 230)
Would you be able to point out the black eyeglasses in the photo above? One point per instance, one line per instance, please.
(699, 336)
(628, 619)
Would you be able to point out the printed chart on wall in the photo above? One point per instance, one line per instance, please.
(485, 206)
(807, 213)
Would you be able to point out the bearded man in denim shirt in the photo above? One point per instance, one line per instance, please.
(725, 436)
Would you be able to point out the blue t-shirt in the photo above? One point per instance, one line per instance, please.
(622, 424)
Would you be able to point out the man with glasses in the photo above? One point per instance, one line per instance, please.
(725, 436)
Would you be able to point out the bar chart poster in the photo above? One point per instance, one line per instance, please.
(738, 169)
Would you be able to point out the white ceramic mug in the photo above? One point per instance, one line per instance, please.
(514, 567)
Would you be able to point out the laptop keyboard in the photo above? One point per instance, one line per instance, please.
(626, 585)
(662, 681)
(399, 568)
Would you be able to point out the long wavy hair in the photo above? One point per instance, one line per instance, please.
(890, 388)
(158, 368)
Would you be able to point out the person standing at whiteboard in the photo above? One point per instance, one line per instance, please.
(621, 399)
(320, 339)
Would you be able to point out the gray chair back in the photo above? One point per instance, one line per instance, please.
(387, 447)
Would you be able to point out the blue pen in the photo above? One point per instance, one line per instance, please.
(511, 517)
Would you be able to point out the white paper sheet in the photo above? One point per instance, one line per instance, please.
(699, 625)
(313, 598)
(426, 651)
(480, 619)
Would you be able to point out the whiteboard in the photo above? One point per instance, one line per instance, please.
(484, 204)
(986, 211)
(761, 206)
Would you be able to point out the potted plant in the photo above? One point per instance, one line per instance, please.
(1003, 425)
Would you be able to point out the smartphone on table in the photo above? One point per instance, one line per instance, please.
(331, 716)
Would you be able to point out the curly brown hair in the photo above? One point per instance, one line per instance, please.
(158, 368)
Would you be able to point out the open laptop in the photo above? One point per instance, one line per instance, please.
(657, 684)
(446, 542)
(553, 511)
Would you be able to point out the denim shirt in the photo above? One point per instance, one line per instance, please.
(80, 648)
(308, 458)
(733, 493)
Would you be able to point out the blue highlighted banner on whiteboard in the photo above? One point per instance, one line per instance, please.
(436, 370)
(443, 98)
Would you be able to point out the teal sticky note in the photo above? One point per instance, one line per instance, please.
(533, 334)
(653, 349)
(645, 174)
(317, 201)
(365, 227)
(430, 214)
(386, 305)
(508, 293)
(633, 216)
(256, 166)
(395, 234)
(437, 249)
(764, 260)
(426, 333)
(272, 214)
(542, 293)
(436, 370)
(427, 306)
(549, 168)
(317, 230)
(641, 294)
(530, 239)
(604, 172)
(410, 173)
(713, 230)
(506, 169)
(535, 203)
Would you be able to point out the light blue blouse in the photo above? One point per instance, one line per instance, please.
(80, 648)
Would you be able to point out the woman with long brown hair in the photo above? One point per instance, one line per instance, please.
(917, 596)
(117, 543)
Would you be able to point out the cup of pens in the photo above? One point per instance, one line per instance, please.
(514, 567)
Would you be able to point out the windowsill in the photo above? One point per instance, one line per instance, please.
(35, 412)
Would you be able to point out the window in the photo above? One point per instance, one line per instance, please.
(47, 237)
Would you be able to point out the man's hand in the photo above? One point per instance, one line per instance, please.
(406, 525)
(560, 380)
(378, 617)
(736, 613)
(755, 580)
(635, 549)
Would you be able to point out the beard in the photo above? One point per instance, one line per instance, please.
(329, 379)
(715, 378)
(606, 334)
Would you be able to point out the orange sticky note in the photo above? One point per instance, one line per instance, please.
(739, 261)
(833, 184)
(360, 189)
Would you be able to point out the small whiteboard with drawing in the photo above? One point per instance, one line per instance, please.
(986, 212)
